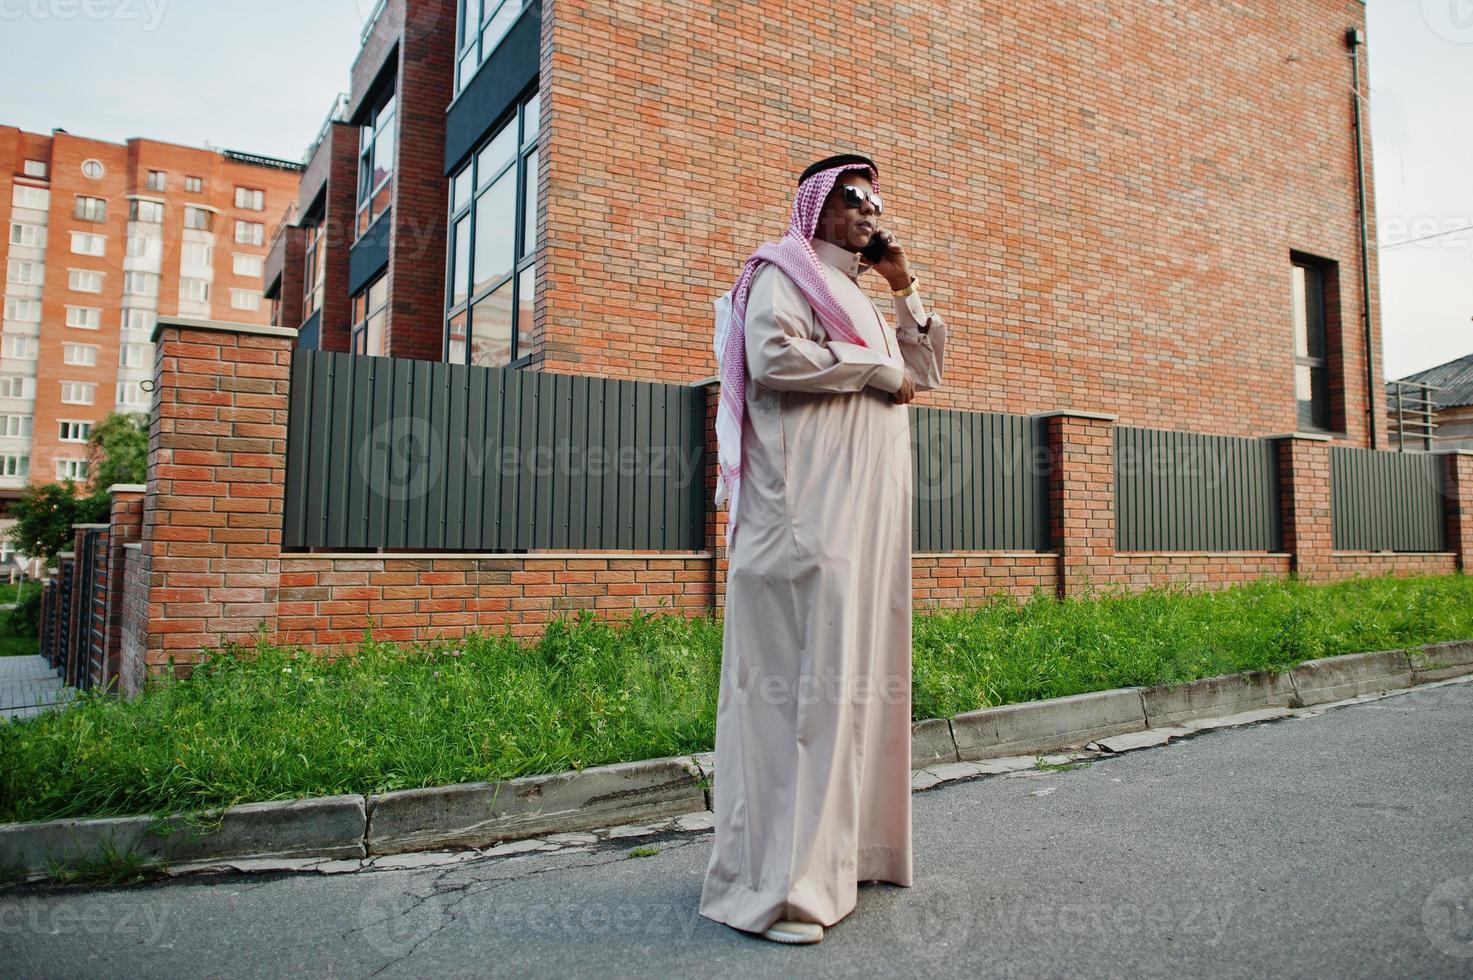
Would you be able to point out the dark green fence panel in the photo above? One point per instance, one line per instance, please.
(1384, 501)
(1187, 491)
(387, 453)
(980, 481)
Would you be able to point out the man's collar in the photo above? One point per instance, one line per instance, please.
(837, 256)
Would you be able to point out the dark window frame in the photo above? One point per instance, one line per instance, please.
(314, 271)
(1317, 414)
(358, 333)
(473, 47)
(524, 117)
(383, 123)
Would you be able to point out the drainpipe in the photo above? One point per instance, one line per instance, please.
(1354, 38)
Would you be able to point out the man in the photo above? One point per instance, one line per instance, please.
(812, 785)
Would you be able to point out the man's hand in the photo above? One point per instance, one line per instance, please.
(906, 393)
(893, 266)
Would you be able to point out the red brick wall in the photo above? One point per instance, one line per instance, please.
(125, 526)
(1101, 199)
(1459, 491)
(1304, 471)
(425, 86)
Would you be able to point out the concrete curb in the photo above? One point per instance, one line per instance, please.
(328, 832)
(330, 826)
(1337, 678)
(477, 814)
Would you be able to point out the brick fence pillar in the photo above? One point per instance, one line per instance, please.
(125, 525)
(1081, 451)
(216, 472)
(1304, 501)
(1458, 487)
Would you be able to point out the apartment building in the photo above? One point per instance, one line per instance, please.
(101, 239)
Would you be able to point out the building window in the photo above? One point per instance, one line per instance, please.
(36, 168)
(83, 317)
(31, 236)
(194, 290)
(249, 233)
(198, 219)
(83, 281)
(24, 272)
(90, 209)
(248, 199)
(17, 386)
(92, 169)
(34, 198)
(133, 355)
(78, 392)
(197, 254)
(19, 347)
(15, 464)
(1311, 345)
(147, 212)
(131, 393)
(247, 265)
(139, 321)
(15, 426)
(74, 431)
(315, 271)
(376, 148)
(79, 355)
(84, 243)
(492, 278)
(194, 185)
(370, 312)
(245, 299)
(156, 180)
(482, 24)
(71, 469)
(141, 283)
(22, 310)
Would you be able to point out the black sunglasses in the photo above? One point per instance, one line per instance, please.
(854, 196)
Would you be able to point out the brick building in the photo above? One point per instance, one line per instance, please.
(103, 238)
(1143, 222)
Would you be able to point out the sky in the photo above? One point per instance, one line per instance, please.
(175, 70)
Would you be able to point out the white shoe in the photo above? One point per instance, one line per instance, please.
(788, 931)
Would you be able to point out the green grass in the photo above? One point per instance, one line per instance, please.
(12, 643)
(273, 723)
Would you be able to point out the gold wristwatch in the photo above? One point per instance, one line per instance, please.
(907, 290)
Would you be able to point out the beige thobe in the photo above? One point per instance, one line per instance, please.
(812, 785)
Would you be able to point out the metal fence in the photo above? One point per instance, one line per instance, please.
(1387, 501)
(1186, 491)
(386, 453)
(980, 481)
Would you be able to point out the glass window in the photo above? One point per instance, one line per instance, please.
(90, 209)
(248, 199)
(245, 299)
(80, 355)
(36, 168)
(156, 180)
(249, 233)
(1311, 345)
(483, 23)
(198, 219)
(32, 236)
(370, 314)
(490, 295)
(148, 212)
(84, 317)
(92, 169)
(86, 244)
(194, 185)
(34, 198)
(315, 272)
(377, 146)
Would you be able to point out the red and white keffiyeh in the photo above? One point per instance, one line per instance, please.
(794, 255)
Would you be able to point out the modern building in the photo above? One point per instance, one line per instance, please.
(101, 239)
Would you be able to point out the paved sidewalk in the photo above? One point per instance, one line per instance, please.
(28, 685)
(1335, 844)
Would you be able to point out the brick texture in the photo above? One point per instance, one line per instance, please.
(1105, 226)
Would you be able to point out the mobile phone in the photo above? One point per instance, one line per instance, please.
(876, 249)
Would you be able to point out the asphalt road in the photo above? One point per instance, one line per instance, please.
(1339, 845)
